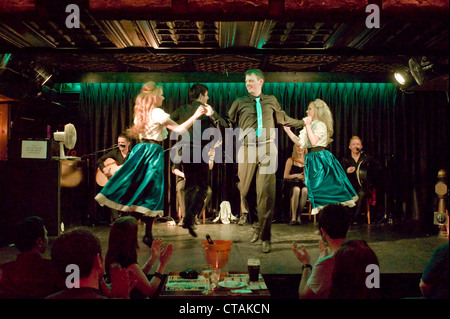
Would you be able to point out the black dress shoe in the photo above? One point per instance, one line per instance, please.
(147, 241)
(191, 230)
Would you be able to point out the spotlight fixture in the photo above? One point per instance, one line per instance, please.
(420, 69)
(403, 76)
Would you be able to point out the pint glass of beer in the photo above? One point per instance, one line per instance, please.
(253, 265)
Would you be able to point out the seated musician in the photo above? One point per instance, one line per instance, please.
(119, 155)
(360, 168)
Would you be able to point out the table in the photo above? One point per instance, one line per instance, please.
(200, 288)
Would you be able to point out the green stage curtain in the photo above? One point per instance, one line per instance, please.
(399, 132)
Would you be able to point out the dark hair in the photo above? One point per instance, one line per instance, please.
(349, 272)
(124, 136)
(335, 220)
(195, 91)
(257, 72)
(79, 247)
(28, 231)
(122, 243)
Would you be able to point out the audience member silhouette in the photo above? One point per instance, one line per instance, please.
(30, 276)
(122, 249)
(354, 263)
(316, 281)
(77, 255)
(434, 281)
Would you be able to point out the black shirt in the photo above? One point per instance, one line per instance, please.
(115, 154)
(368, 164)
(184, 112)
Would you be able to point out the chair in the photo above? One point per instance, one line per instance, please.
(308, 213)
(370, 201)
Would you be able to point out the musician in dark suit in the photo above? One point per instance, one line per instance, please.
(360, 168)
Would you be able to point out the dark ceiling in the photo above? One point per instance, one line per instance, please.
(187, 36)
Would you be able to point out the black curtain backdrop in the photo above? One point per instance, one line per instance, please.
(407, 133)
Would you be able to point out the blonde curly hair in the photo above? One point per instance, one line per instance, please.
(143, 107)
(323, 114)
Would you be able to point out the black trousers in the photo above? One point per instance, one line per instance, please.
(195, 190)
(361, 203)
(259, 162)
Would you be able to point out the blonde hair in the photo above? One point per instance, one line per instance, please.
(143, 107)
(295, 153)
(354, 137)
(323, 114)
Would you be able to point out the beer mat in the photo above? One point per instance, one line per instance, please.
(241, 291)
(176, 283)
(257, 285)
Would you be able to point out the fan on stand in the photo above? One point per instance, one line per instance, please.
(68, 138)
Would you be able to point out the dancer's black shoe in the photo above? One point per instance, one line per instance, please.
(191, 230)
(148, 241)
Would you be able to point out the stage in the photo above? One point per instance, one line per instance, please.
(403, 251)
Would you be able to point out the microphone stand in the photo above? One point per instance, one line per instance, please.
(387, 197)
(92, 217)
(104, 150)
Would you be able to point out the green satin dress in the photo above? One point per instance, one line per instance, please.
(327, 182)
(138, 186)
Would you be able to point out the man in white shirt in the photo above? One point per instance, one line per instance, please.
(316, 281)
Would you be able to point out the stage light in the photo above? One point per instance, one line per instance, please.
(421, 69)
(400, 79)
(402, 75)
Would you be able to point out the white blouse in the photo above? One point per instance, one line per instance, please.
(155, 129)
(319, 129)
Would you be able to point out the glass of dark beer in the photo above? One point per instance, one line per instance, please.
(253, 265)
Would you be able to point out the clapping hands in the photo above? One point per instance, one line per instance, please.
(160, 252)
(302, 255)
(122, 282)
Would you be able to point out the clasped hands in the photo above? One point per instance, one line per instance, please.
(208, 110)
